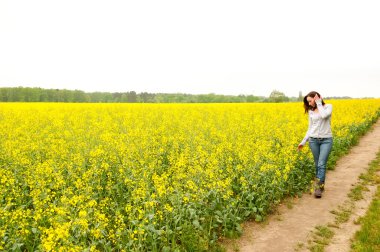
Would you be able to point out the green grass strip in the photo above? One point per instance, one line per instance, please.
(368, 237)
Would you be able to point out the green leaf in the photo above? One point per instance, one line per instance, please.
(196, 223)
(258, 218)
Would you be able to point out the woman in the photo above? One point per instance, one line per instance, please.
(319, 136)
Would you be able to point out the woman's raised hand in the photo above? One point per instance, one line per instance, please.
(316, 98)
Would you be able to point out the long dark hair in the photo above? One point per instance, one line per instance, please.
(306, 105)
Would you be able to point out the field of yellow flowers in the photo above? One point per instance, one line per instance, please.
(153, 177)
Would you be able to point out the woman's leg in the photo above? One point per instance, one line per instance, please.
(324, 151)
(315, 149)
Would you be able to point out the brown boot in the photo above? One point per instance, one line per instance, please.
(318, 193)
(319, 188)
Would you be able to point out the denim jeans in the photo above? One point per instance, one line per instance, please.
(321, 148)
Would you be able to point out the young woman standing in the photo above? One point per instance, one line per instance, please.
(319, 136)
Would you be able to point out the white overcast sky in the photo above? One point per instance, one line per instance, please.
(223, 47)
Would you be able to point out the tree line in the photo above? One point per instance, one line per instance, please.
(28, 94)
(35, 94)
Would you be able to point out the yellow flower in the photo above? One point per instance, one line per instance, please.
(82, 214)
(103, 169)
(168, 208)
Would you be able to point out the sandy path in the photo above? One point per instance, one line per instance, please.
(341, 241)
(292, 226)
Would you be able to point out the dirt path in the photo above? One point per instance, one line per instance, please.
(342, 239)
(292, 226)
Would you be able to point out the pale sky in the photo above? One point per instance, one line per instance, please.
(223, 47)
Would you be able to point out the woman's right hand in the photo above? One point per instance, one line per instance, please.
(316, 98)
(300, 146)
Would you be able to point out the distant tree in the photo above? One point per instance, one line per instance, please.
(146, 97)
(96, 97)
(3, 95)
(300, 96)
(80, 96)
(132, 96)
(116, 97)
(43, 95)
(277, 96)
(124, 97)
(252, 98)
(107, 97)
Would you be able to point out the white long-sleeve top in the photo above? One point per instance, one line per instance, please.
(319, 122)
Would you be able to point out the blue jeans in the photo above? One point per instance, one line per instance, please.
(321, 148)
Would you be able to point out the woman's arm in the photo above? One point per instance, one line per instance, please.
(323, 111)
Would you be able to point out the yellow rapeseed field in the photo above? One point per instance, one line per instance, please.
(153, 177)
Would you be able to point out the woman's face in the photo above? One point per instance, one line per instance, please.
(311, 101)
